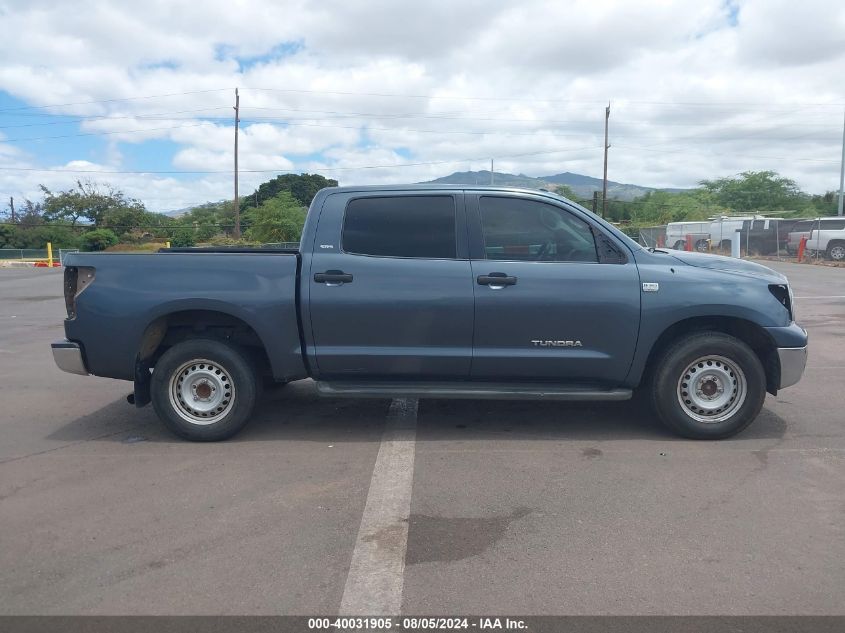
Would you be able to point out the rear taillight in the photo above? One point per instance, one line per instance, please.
(77, 279)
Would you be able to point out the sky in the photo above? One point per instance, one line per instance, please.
(377, 91)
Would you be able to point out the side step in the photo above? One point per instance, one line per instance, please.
(469, 390)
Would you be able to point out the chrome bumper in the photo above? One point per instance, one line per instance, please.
(792, 363)
(68, 357)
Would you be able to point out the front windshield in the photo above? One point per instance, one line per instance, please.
(605, 224)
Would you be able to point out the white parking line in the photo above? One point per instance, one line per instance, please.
(375, 580)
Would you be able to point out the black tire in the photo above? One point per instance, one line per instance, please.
(702, 246)
(222, 373)
(836, 251)
(741, 373)
(679, 245)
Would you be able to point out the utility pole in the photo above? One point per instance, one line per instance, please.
(606, 147)
(237, 201)
(491, 171)
(842, 170)
(12, 206)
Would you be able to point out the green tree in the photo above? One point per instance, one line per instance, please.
(755, 191)
(98, 239)
(302, 187)
(206, 232)
(8, 236)
(30, 213)
(566, 191)
(124, 218)
(96, 204)
(220, 216)
(279, 219)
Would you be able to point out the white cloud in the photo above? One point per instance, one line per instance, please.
(694, 95)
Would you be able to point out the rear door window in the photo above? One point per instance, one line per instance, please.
(832, 225)
(401, 226)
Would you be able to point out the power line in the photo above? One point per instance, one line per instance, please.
(199, 121)
(158, 116)
(315, 169)
(63, 105)
(412, 115)
(535, 99)
(685, 151)
(151, 129)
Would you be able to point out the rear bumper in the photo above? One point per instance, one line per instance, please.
(792, 363)
(68, 357)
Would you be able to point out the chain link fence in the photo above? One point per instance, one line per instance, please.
(34, 254)
(754, 236)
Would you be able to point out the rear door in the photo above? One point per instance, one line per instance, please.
(390, 287)
(545, 307)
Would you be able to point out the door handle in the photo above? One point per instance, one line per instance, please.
(496, 280)
(333, 277)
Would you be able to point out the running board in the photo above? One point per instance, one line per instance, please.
(469, 390)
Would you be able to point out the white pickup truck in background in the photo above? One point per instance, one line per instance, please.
(827, 238)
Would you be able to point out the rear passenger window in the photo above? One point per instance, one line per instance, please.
(401, 226)
(832, 225)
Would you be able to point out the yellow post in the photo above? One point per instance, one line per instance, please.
(167, 244)
(50, 254)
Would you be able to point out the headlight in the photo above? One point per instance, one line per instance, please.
(783, 293)
(791, 302)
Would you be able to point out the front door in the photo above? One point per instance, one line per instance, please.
(546, 308)
(390, 288)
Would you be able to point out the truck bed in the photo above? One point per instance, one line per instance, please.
(132, 292)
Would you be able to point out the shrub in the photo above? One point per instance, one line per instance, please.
(183, 238)
(98, 240)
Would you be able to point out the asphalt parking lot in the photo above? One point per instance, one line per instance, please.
(502, 508)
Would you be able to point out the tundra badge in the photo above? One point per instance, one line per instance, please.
(650, 286)
(538, 343)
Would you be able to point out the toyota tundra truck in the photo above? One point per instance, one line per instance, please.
(436, 292)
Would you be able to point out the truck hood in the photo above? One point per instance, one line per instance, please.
(730, 265)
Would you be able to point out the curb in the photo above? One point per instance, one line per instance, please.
(19, 264)
(8, 264)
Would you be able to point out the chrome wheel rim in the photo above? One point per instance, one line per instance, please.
(711, 389)
(201, 392)
(837, 252)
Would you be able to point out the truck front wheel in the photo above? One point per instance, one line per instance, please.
(204, 390)
(708, 385)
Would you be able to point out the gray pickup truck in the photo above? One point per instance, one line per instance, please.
(436, 292)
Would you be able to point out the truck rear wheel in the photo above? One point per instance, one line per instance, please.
(708, 385)
(204, 390)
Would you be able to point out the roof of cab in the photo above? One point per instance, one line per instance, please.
(429, 187)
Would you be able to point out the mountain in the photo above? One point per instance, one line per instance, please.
(177, 213)
(582, 185)
(499, 178)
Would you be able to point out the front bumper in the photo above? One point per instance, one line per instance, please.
(68, 357)
(792, 363)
